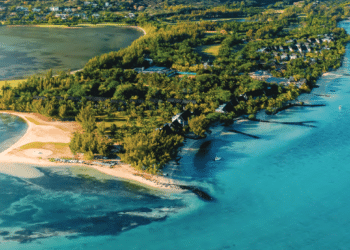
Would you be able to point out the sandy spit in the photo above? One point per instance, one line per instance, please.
(53, 132)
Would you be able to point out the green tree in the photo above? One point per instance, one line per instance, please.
(87, 119)
(113, 130)
(62, 111)
(198, 125)
(151, 151)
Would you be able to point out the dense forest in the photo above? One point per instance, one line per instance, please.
(260, 64)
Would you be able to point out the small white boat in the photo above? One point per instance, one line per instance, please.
(217, 158)
(339, 107)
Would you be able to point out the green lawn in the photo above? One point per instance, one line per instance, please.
(34, 121)
(45, 25)
(99, 24)
(211, 49)
(208, 52)
(13, 83)
(118, 119)
(57, 145)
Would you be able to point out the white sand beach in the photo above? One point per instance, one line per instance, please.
(61, 132)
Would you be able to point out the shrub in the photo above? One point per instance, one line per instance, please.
(89, 156)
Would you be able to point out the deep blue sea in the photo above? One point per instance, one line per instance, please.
(286, 190)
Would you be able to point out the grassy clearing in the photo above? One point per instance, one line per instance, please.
(211, 49)
(54, 146)
(12, 83)
(51, 26)
(208, 52)
(111, 24)
(34, 121)
(59, 150)
(119, 119)
(99, 24)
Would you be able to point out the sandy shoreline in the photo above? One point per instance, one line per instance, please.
(79, 26)
(60, 132)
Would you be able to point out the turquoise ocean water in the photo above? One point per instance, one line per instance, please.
(286, 190)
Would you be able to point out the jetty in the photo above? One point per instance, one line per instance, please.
(242, 133)
(302, 123)
(295, 104)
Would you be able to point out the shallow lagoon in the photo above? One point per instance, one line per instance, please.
(74, 202)
(25, 51)
(12, 128)
(287, 190)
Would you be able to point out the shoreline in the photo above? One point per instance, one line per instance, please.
(79, 26)
(50, 132)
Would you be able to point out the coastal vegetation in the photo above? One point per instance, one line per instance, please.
(69, 13)
(260, 64)
(4, 85)
(56, 145)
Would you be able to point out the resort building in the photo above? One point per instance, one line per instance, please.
(260, 75)
(20, 8)
(224, 108)
(182, 118)
(54, 9)
(166, 129)
(156, 69)
(130, 15)
(62, 16)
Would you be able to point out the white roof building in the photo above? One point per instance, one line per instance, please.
(55, 8)
(20, 8)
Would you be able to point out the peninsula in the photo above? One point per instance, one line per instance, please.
(45, 140)
(142, 101)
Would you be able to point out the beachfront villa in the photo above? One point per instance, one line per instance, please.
(224, 108)
(182, 118)
(166, 128)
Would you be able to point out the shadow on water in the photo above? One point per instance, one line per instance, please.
(111, 223)
(204, 163)
(87, 183)
(60, 204)
(198, 191)
(52, 62)
(203, 159)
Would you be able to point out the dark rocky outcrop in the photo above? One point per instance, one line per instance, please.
(200, 193)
